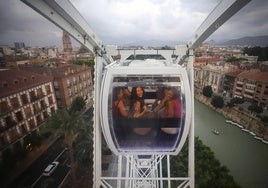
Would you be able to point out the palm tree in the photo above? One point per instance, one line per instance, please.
(69, 125)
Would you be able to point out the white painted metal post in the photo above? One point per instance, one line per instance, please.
(127, 183)
(191, 167)
(161, 172)
(168, 170)
(119, 173)
(97, 127)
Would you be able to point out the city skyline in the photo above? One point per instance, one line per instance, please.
(124, 22)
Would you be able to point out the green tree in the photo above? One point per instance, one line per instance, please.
(77, 105)
(217, 101)
(90, 63)
(209, 172)
(207, 91)
(262, 53)
(69, 125)
(255, 108)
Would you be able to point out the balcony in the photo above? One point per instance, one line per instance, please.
(249, 90)
(239, 82)
(248, 96)
(238, 93)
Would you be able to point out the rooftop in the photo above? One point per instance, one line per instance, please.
(13, 81)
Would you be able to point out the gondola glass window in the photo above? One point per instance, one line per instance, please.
(145, 113)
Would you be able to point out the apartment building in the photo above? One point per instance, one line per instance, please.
(252, 85)
(69, 81)
(210, 74)
(229, 81)
(26, 100)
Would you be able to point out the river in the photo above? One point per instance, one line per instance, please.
(244, 156)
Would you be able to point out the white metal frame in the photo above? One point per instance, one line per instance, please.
(63, 14)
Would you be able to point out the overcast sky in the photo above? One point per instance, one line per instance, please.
(125, 21)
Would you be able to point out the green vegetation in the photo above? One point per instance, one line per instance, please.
(77, 105)
(234, 101)
(217, 101)
(207, 91)
(262, 53)
(254, 108)
(209, 172)
(233, 59)
(73, 127)
(89, 63)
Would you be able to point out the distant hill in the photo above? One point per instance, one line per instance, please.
(261, 41)
(154, 43)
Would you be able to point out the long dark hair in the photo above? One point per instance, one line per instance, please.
(135, 97)
(116, 91)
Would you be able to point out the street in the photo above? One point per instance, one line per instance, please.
(32, 176)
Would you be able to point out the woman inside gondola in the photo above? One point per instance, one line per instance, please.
(119, 112)
(171, 116)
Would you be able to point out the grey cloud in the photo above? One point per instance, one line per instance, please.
(20, 23)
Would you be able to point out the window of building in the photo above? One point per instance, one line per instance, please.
(39, 92)
(14, 102)
(28, 112)
(19, 116)
(251, 81)
(24, 99)
(48, 89)
(9, 121)
(4, 106)
(50, 100)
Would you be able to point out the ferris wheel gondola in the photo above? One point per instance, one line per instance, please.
(155, 131)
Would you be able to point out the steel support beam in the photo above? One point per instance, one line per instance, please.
(64, 15)
(221, 13)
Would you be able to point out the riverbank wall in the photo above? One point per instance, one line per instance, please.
(245, 119)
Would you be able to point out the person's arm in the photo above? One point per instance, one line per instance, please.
(140, 114)
(170, 110)
(122, 108)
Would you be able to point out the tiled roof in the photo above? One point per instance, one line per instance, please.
(256, 75)
(207, 59)
(57, 72)
(13, 81)
(234, 73)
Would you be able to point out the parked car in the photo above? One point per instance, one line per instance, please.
(50, 168)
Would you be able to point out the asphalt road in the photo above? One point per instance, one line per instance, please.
(32, 176)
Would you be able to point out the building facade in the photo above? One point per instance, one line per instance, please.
(26, 100)
(69, 81)
(252, 85)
